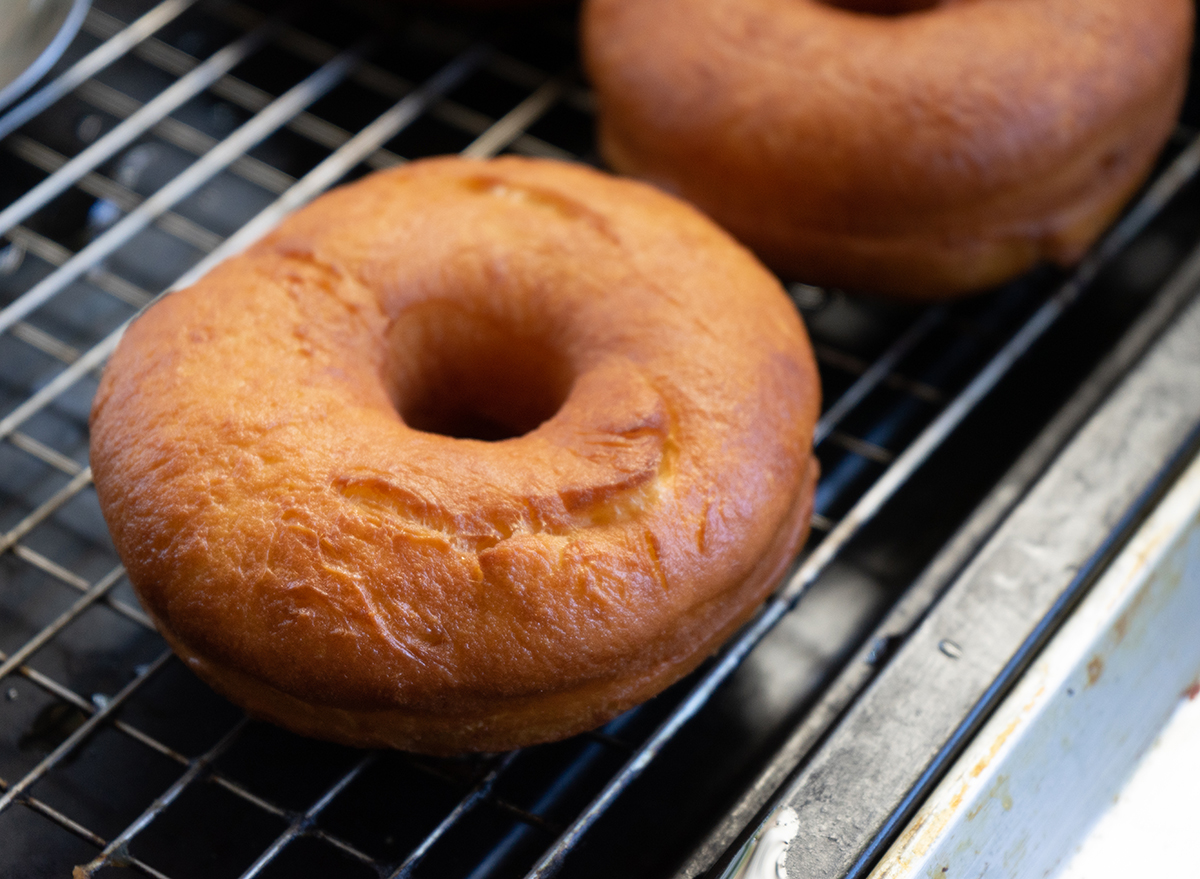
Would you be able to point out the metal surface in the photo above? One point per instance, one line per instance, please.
(179, 132)
(33, 34)
(1057, 751)
(895, 741)
(1148, 829)
(907, 613)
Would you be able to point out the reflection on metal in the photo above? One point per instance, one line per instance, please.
(33, 34)
(1056, 752)
(764, 855)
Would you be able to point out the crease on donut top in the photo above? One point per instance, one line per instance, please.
(625, 467)
(540, 197)
(378, 494)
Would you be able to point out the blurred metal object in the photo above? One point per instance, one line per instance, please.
(33, 34)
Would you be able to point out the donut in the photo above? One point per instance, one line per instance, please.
(464, 456)
(914, 149)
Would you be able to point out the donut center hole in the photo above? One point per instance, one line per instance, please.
(466, 375)
(884, 7)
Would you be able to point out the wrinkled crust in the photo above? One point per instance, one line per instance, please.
(330, 567)
(921, 155)
(503, 723)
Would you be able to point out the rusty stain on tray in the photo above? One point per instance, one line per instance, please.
(997, 744)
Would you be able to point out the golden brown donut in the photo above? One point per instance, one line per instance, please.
(921, 153)
(283, 454)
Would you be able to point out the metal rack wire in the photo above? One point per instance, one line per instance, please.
(172, 135)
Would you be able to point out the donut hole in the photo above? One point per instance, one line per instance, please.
(884, 7)
(466, 375)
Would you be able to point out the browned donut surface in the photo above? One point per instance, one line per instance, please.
(923, 153)
(463, 456)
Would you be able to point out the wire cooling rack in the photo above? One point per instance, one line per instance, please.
(171, 135)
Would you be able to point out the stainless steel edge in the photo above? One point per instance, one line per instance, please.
(949, 562)
(889, 748)
(1057, 751)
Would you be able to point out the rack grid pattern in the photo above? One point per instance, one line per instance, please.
(172, 135)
